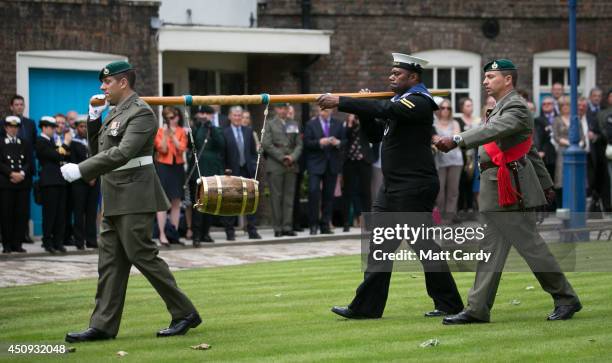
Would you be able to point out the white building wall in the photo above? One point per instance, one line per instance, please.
(235, 13)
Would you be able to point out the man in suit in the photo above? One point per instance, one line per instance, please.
(599, 180)
(543, 137)
(84, 194)
(324, 138)
(14, 186)
(218, 119)
(404, 125)
(514, 182)
(121, 150)
(241, 159)
(27, 134)
(52, 186)
(283, 146)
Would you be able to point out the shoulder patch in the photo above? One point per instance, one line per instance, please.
(407, 103)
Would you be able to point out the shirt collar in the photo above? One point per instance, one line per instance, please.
(44, 136)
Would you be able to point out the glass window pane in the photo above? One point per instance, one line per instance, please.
(427, 78)
(458, 97)
(544, 77)
(580, 72)
(461, 78)
(444, 78)
(557, 75)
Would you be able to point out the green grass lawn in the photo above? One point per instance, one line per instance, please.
(279, 311)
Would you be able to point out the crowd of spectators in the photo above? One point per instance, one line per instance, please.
(325, 160)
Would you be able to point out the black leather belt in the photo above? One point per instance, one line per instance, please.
(489, 164)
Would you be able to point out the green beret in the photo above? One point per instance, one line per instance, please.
(500, 65)
(114, 68)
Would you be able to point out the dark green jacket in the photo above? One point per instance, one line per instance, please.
(126, 133)
(211, 161)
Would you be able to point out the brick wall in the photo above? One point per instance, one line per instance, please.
(366, 32)
(105, 26)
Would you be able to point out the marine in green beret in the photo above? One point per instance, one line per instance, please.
(114, 68)
(121, 148)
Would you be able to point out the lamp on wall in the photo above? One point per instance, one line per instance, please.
(490, 28)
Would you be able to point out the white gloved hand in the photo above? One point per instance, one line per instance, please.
(96, 111)
(71, 172)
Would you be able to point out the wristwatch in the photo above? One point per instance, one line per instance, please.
(457, 139)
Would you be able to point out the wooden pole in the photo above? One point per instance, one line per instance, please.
(259, 99)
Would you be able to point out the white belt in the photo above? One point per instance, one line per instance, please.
(136, 162)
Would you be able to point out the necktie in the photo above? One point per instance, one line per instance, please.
(326, 128)
(240, 143)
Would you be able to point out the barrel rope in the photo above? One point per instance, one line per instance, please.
(265, 99)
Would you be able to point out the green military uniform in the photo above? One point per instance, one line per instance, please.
(509, 124)
(211, 159)
(130, 199)
(281, 138)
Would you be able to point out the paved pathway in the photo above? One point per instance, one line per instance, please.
(37, 267)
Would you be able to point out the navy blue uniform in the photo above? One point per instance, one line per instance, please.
(410, 185)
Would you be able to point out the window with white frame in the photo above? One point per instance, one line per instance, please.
(456, 71)
(553, 67)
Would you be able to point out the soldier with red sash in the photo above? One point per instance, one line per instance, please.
(513, 182)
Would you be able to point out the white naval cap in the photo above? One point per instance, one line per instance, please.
(409, 62)
(12, 120)
(47, 121)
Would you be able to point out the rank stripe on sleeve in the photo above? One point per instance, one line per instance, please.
(407, 103)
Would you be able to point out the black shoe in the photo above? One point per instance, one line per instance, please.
(80, 247)
(89, 335)
(346, 229)
(50, 250)
(461, 318)
(326, 230)
(346, 312)
(298, 229)
(313, 231)
(435, 313)
(181, 326)
(230, 236)
(69, 242)
(61, 249)
(91, 244)
(28, 239)
(564, 312)
(289, 233)
(6, 251)
(254, 235)
(20, 250)
(207, 239)
(195, 243)
(278, 234)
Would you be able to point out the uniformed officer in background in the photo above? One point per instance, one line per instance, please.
(122, 154)
(15, 184)
(52, 186)
(404, 124)
(209, 148)
(282, 145)
(84, 194)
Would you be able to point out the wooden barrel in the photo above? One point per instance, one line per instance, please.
(225, 195)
